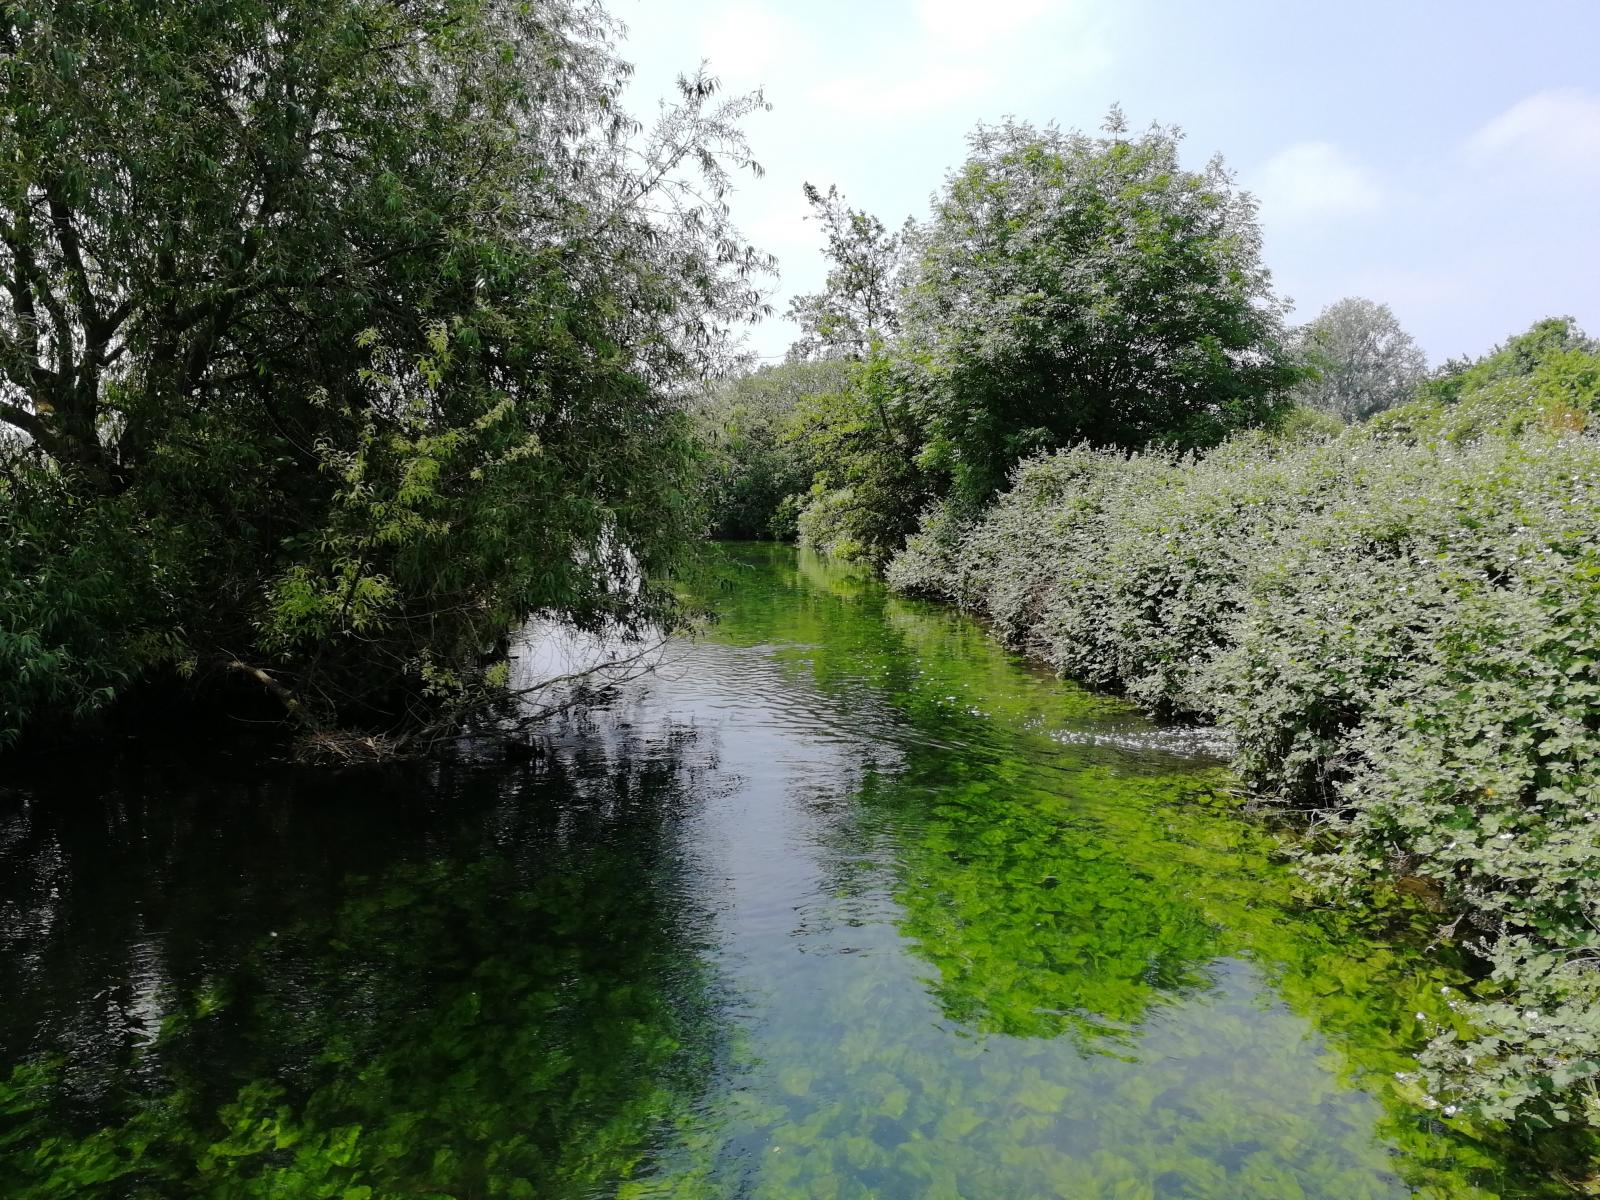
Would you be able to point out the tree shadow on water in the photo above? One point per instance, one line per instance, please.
(449, 981)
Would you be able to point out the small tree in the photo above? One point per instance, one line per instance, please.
(1361, 361)
(860, 304)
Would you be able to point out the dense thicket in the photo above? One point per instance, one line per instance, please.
(1401, 629)
(1065, 288)
(338, 337)
(758, 469)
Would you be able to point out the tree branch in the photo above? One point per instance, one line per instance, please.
(30, 423)
(72, 252)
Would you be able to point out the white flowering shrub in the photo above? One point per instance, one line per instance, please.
(1403, 638)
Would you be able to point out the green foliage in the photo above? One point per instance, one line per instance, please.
(1518, 356)
(1303, 423)
(859, 307)
(367, 318)
(79, 602)
(1545, 379)
(1077, 288)
(1361, 361)
(868, 485)
(1399, 637)
(1065, 288)
(756, 470)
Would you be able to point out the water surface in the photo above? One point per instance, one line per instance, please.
(841, 901)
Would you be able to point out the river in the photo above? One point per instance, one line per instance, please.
(840, 901)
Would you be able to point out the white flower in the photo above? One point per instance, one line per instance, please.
(1422, 1016)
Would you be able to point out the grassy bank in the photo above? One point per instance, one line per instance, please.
(1401, 628)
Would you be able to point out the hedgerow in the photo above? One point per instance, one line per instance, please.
(1400, 628)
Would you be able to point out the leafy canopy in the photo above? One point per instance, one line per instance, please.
(859, 306)
(1362, 361)
(1071, 288)
(757, 466)
(365, 319)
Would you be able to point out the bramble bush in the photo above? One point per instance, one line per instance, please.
(1400, 628)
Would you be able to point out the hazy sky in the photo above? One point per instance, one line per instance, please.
(1442, 156)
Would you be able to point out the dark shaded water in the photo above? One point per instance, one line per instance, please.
(841, 902)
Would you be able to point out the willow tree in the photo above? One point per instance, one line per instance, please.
(345, 335)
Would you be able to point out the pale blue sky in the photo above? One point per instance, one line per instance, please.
(1443, 157)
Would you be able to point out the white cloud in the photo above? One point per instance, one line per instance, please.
(1313, 180)
(875, 97)
(1559, 128)
(948, 59)
(782, 226)
(1405, 288)
(744, 39)
(964, 23)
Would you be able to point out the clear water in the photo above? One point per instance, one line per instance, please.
(841, 901)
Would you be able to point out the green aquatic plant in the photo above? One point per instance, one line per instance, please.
(1071, 892)
(451, 1029)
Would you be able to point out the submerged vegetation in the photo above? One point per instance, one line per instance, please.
(833, 910)
(1394, 620)
(338, 340)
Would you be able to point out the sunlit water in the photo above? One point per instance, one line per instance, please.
(839, 901)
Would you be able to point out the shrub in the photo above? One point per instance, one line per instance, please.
(1402, 636)
(868, 486)
(825, 524)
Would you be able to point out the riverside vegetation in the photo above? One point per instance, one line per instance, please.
(1396, 621)
(339, 340)
(1403, 636)
(336, 340)
(846, 902)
